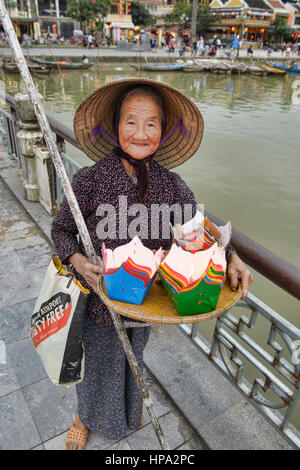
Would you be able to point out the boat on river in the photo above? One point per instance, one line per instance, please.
(217, 66)
(292, 68)
(273, 70)
(61, 64)
(256, 70)
(160, 67)
(11, 67)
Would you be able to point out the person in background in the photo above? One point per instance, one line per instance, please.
(182, 49)
(200, 46)
(194, 50)
(171, 45)
(90, 40)
(250, 52)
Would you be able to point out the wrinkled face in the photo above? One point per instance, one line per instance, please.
(140, 126)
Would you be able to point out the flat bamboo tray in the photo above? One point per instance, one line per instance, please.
(158, 307)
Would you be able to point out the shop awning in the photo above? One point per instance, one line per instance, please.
(118, 24)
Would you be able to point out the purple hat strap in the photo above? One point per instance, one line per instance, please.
(98, 131)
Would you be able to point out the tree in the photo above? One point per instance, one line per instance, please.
(182, 15)
(85, 11)
(280, 28)
(140, 16)
(205, 18)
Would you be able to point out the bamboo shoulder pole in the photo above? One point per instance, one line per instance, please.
(76, 212)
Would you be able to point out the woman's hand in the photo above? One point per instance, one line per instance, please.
(88, 270)
(236, 270)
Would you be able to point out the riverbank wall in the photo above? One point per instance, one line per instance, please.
(113, 55)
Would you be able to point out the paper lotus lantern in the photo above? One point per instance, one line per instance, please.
(201, 234)
(129, 271)
(194, 280)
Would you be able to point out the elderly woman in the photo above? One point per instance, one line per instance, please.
(135, 130)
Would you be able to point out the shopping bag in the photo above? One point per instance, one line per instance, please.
(57, 324)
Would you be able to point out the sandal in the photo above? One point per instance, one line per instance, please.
(77, 436)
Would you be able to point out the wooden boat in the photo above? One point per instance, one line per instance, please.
(160, 68)
(196, 68)
(238, 68)
(255, 70)
(61, 64)
(273, 70)
(221, 68)
(40, 70)
(292, 68)
(11, 67)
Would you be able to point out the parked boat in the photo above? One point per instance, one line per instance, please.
(273, 70)
(238, 68)
(293, 68)
(255, 70)
(160, 68)
(197, 68)
(221, 68)
(10, 66)
(61, 64)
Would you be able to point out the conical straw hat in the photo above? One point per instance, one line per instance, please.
(98, 109)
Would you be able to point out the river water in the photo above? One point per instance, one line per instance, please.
(247, 169)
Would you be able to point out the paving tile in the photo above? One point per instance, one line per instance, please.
(98, 442)
(188, 377)
(21, 239)
(34, 257)
(144, 439)
(8, 381)
(17, 429)
(53, 408)
(192, 444)
(19, 287)
(26, 362)
(121, 445)
(57, 443)
(15, 321)
(16, 223)
(237, 429)
(10, 263)
(174, 427)
(162, 404)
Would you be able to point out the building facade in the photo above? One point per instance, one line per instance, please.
(249, 19)
(35, 17)
(118, 21)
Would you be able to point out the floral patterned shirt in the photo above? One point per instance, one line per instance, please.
(98, 189)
